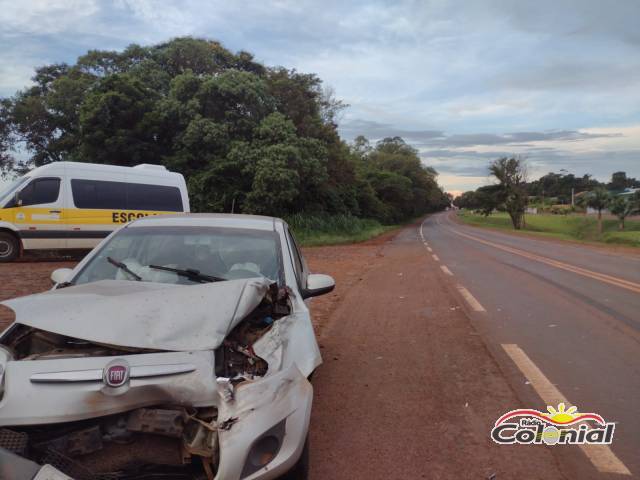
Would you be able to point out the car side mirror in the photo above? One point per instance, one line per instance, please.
(318, 284)
(61, 275)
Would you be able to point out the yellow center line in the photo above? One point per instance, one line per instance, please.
(618, 282)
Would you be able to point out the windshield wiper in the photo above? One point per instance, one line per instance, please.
(190, 273)
(122, 266)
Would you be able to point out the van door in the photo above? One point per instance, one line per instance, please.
(39, 214)
(93, 209)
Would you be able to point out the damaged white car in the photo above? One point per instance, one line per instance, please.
(179, 348)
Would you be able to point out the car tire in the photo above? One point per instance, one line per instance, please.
(9, 247)
(300, 470)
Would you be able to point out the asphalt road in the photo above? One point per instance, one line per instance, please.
(563, 321)
(408, 389)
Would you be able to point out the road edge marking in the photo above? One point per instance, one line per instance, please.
(601, 456)
(420, 230)
(446, 270)
(475, 305)
(429, 249)
(435, 257)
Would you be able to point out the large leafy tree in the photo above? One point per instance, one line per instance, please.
(248, 138)
(400, 181)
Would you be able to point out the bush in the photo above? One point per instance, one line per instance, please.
(561, 209)
(330, 229)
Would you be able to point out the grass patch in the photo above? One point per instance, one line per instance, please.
(568, 227)
(316, 230)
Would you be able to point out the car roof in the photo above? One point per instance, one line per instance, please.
(225, 220)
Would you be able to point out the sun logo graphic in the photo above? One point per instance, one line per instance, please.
(561, 425)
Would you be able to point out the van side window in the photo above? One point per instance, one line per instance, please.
(100, 194)
(40, 191)
(153, 197)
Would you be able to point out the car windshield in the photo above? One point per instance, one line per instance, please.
(185, 255)
(11, 187)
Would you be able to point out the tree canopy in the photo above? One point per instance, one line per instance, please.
(246, 136)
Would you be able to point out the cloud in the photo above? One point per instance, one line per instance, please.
(44, 16)
(375, 131)
(515, 138)
(432, 138)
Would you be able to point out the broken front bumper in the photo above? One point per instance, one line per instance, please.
(267, 419)
(261, 431)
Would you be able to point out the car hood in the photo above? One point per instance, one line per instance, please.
(143, 314)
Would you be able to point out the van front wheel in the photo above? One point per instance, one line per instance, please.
(9, 247)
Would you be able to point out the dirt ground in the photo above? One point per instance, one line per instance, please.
(24, 278)
(407, 389)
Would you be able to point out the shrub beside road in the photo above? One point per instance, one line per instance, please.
(319, 230)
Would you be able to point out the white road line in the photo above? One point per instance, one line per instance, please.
(435, 257)
(420, 230)
(446, 270)
(429, 248)
(601, 456)
(471, 300)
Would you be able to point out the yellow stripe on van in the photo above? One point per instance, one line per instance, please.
(105, 217)
(72, 216)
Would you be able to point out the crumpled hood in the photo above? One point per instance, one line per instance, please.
(144, 314)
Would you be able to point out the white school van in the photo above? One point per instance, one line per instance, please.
(66, 205)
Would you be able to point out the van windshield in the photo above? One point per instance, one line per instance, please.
(11, 187)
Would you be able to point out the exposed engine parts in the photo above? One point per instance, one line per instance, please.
(235, 359)
(137, 444)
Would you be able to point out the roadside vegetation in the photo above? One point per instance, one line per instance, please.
(248, 138)
(505, 203)
(577, 227)
(317, 230)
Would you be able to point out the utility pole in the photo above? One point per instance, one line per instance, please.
(573, 203)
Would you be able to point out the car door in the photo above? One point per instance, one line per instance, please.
(39, 214)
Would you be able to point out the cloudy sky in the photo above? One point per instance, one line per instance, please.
(556, 81)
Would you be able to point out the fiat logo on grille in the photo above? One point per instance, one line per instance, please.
(116, 373)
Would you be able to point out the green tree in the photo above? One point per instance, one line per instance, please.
(489, 198)
(7, 140)
(511, 175)
(622, 207)
(118, 123)
(245, 136)
(598, 199)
